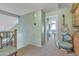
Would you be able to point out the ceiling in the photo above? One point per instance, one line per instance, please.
(24, 8)
(8, 11)
(7, 22)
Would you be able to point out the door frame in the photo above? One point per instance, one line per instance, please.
(46, 29)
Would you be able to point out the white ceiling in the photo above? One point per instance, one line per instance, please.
(7, 21)
(24, 8)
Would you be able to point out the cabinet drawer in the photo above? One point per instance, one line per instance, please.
(76, 44)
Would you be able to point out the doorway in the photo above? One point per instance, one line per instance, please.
(51, 29)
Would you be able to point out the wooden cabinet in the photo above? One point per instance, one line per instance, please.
(75, 14)
(75, 24)
(76, 43)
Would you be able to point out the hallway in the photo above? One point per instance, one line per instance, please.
(49, 49)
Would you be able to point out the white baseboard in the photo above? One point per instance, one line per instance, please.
(23, 46)
(34, 43)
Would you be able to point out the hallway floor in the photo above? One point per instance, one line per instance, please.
(31, 50)
(49, 49)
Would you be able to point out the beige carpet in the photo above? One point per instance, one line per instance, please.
(50, 49)
(31, 50)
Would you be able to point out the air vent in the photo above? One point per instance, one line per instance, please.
(63, 5)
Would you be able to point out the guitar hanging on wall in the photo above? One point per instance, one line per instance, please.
(64, 27)
(65, 30)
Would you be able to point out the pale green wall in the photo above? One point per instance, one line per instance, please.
(68, 18)
(24, 30)
(43, 28)
(27, 32)
(36, 29)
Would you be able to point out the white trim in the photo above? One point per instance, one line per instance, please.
(47, 29)
(34, 43)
